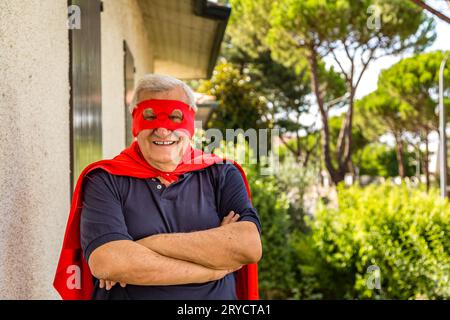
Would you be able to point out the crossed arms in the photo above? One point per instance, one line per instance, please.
(179, 258)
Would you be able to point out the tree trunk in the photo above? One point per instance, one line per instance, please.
(433, 11)
(399, 154)
(344, 155)
(336, 177)
(352, 169)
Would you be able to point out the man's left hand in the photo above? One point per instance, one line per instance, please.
(108, 284)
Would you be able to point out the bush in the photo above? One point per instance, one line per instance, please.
(296, 182)
(276, 268)
(402, 231)
(276, 276)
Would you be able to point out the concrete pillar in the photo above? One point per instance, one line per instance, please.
(34, 145)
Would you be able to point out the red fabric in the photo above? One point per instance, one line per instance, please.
(131, 163)
(162, 109)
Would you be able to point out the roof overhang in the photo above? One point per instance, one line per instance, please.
(185, 35)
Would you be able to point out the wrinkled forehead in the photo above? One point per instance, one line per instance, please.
(176, 93)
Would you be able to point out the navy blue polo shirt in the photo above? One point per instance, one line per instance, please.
(126, 208)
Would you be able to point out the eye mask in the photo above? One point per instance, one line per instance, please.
(156, 113)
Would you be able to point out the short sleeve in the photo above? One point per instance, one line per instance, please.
(102, 218)
(234, 197)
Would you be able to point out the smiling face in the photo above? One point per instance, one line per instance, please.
(163, 148)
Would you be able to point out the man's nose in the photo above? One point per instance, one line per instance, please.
(162, 132)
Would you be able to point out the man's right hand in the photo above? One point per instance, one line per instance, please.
(230, 218)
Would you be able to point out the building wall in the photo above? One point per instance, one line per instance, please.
(120, 20)
(35, 129)
(35, 132)
(34, 145)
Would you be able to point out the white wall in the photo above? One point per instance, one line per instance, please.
(34, 130)
(120, 20)
(34, 145)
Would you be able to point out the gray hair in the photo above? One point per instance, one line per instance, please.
(161, 83)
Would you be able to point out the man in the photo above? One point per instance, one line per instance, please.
(156, 219)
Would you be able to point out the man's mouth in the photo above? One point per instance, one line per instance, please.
(164, 143)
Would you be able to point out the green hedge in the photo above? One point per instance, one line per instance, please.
(402, 231)
(276, 268)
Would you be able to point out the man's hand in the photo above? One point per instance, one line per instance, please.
(107, 284)
(230, 218)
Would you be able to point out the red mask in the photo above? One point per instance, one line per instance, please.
(156, 113)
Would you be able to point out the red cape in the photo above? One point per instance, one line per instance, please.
(131, 163)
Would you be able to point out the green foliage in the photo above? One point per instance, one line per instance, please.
(276, 266)
(290, 30)
(249, 24)
(295, 37)
(380, 113)
(287, 69)
(295, 181)
(402, 231)
(414, 81)
(311, 142)
(358, 135)
(276, 273)
(283, 89)
(379, 160)
(403, 24)
(239, 104)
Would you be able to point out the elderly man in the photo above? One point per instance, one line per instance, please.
(161, 220)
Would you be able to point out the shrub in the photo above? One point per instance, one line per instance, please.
(276, 268)
(404, 232)
(276, 277)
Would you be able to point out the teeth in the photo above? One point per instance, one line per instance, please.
(161, 143)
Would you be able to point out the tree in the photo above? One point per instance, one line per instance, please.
(359, 139)
(438, 14)
(294, 32)
(381, 114)
(379, 160)
(240, 106)
(415, 82)
(285, 86)
(285, 92)
(310, 142)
